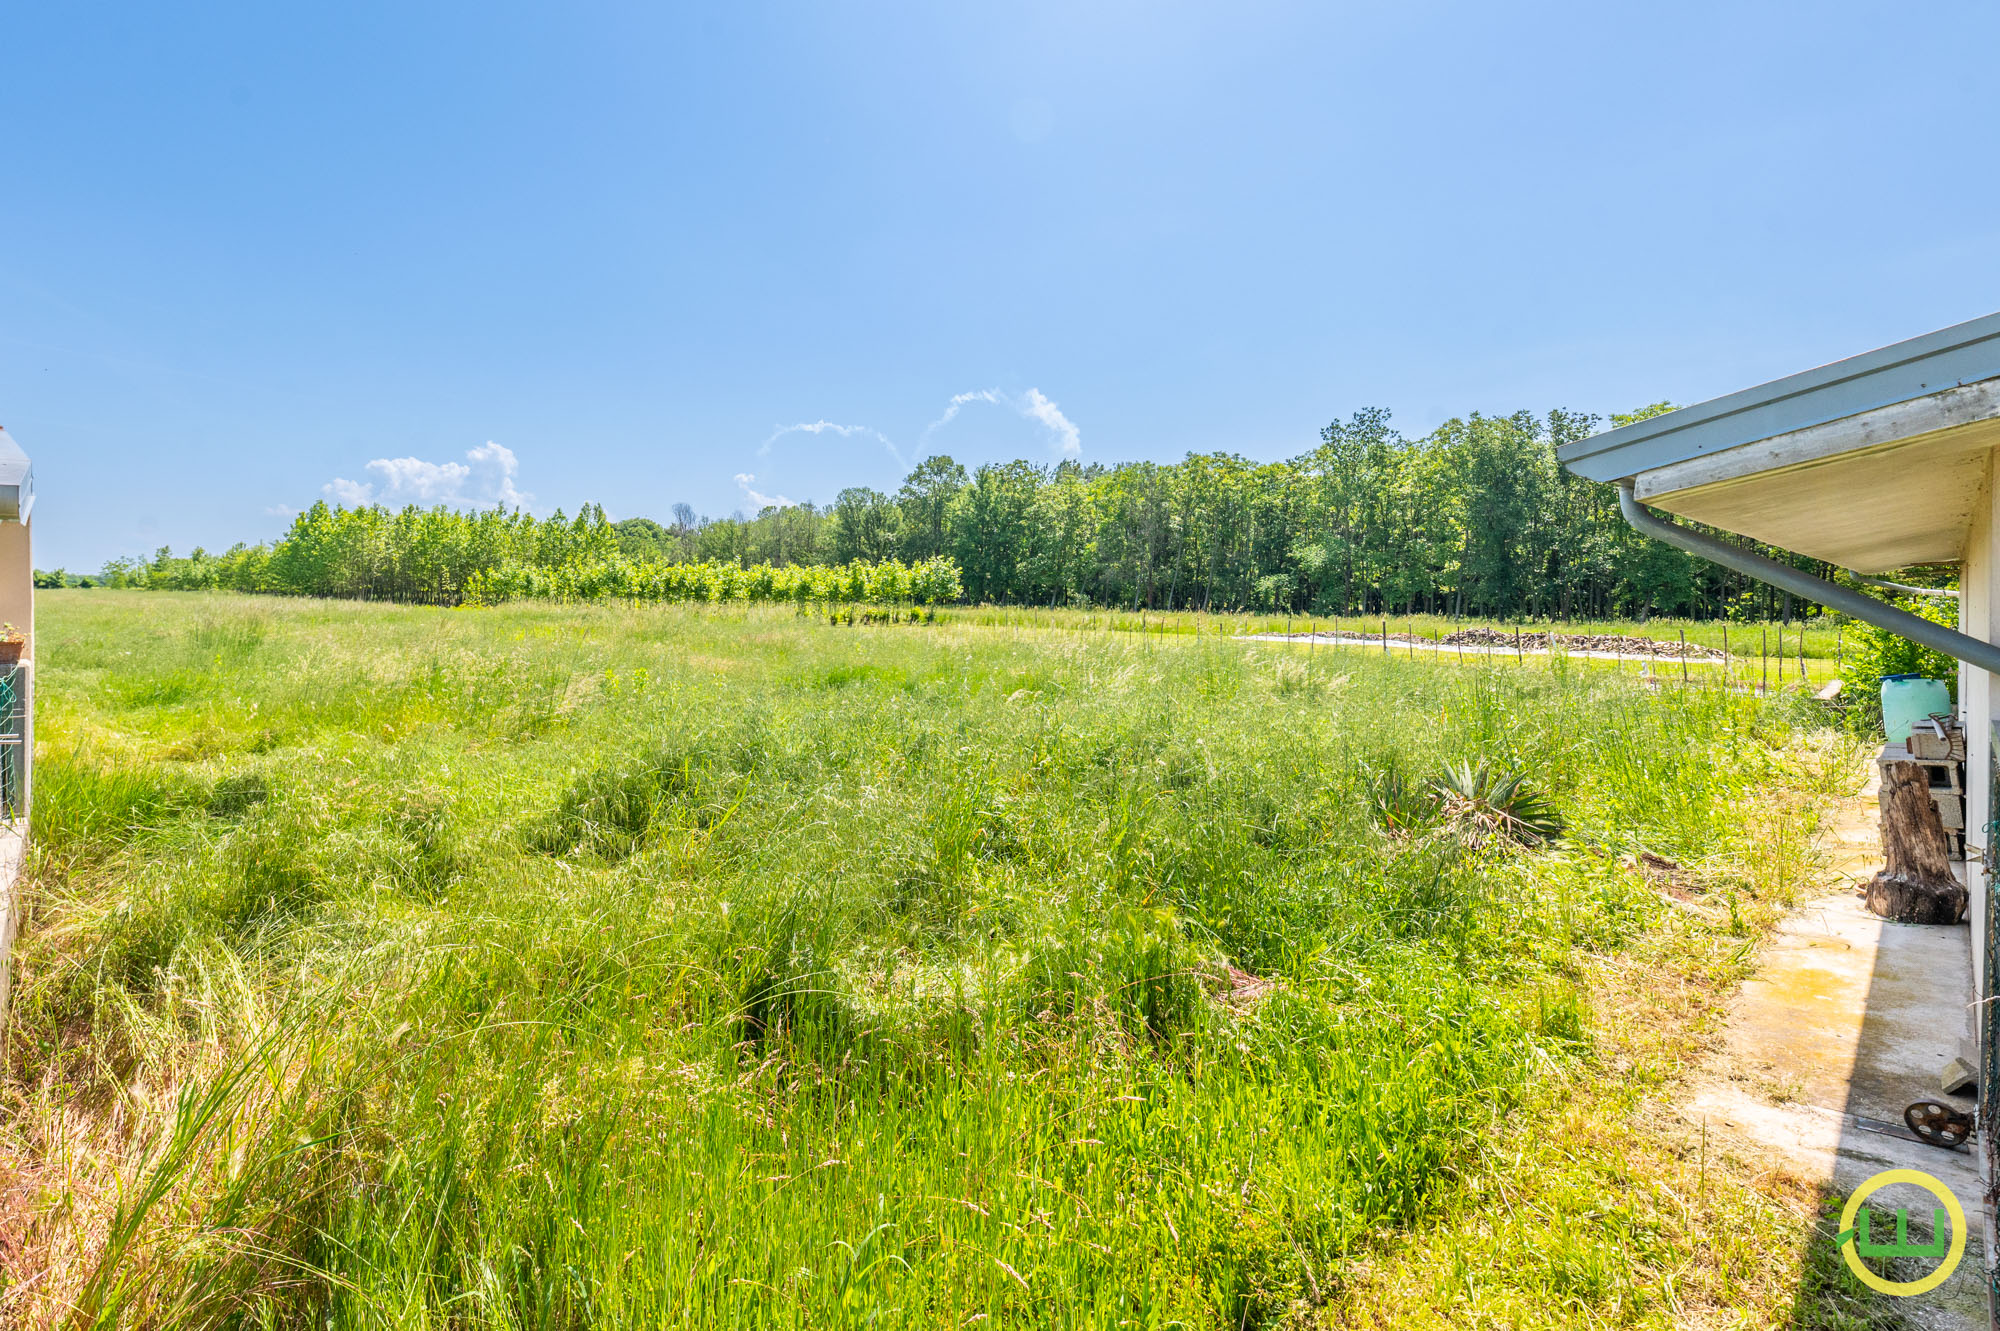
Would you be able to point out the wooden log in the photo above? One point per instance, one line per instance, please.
(1916, 886)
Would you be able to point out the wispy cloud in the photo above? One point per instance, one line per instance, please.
(828, 427)
(1037, 407)
(1033, 405)
(958, 401)
(759, 500)
(488, 475)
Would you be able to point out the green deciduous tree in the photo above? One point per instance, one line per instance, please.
(1475, 517)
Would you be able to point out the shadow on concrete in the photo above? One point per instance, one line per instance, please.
(1919, 1014)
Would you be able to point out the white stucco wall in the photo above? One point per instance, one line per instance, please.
(1979, 594)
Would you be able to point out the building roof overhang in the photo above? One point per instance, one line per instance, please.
(17, 481)
(1874, 462)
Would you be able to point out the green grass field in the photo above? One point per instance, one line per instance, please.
(550, 967)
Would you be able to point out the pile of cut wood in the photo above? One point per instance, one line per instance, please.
(1625, 644)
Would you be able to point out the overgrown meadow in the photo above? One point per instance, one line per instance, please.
(549, 966)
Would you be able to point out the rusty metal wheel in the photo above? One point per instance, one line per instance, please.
(1940, 1125)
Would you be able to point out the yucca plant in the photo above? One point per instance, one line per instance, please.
(1481, 803)
(1402, 805)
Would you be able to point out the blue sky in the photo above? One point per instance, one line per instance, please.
(610, 252)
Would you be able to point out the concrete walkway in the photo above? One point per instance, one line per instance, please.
(13, 845)
(1849, 1019)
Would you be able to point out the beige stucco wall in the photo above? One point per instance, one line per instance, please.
(17, 579)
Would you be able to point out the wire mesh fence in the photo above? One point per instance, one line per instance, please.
(15, 740)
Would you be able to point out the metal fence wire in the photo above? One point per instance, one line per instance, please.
(13, 741)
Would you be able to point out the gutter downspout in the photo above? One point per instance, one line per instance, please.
(1904, 587)
(1861, 606)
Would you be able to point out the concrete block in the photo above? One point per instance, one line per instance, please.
(1951, 810)
(1958, 1077)
(1926, 745)
(1942, 776)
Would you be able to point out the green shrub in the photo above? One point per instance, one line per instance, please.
(1874, 653)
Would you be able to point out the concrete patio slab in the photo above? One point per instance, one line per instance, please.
(1849, 1019)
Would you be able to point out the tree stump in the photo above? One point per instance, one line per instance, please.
(1916, 886)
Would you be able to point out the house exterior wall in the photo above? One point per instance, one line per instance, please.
(1978, 697)
(17, 580)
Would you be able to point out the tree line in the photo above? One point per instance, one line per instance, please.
(1475, 518)
(444, 556)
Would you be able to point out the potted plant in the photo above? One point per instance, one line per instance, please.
(12, 643)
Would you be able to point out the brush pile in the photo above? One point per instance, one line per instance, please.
(1584, 642)
(1503, 640)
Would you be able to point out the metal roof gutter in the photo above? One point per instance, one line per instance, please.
(1962, 354)
(1866, 608)
(1905, 587)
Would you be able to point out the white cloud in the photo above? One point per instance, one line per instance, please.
(487, 476)
(1033, 405)
(828, 427)
(958, 400)
(761, 501)
(350, 494)
(499, 466)
(415, 479)
(1036, 407)
(282, 511)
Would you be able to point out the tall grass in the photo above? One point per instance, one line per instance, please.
(546, 967)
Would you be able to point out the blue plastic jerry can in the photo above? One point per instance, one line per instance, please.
(1908, 699)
